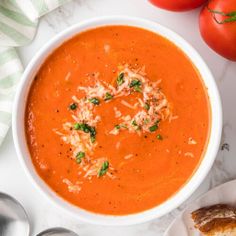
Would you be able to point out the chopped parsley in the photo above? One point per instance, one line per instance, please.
(108, 96)
(95, 101)
(73, 106)
(76, 126)
(79, 156)
(82, 126)
(117, 126)
(146, 121)
(92, 131)
(103, 169)
(136, 85)
(120, 79)
(153, 128)
(87, 129)
(92, 139)
(137, 89)
(159, 137)
(123, 126)
(134, 123)
(146, 106)
(135, 82)
(120, 126)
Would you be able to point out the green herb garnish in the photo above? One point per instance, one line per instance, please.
(146, 106)
(73, 106)
(104, 168)
(108, 96)
(120, 79)
(123, 126)
(76, 126)
(87, 129)
(136, 85)
(134, 123)
(159, 137)
(79, 156)
(92, 139)
(153, 128)
(92, 131)
(117, 126)
(120, 126)
(82, 126)
(135, 82)
(95, 101)
(137, 89)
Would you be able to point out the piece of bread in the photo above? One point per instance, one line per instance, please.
(216, 220)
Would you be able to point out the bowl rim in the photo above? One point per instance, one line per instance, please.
(195, 180)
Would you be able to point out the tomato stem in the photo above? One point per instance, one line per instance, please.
(231, 16)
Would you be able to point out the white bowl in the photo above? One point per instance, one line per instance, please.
(183, 193)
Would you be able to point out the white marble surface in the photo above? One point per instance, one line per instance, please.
(12, 178)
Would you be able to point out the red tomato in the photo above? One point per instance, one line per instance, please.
(218, 27)
(178, 5)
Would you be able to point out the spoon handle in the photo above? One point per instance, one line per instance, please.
(58, 231)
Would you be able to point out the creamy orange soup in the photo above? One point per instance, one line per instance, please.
(117, 120)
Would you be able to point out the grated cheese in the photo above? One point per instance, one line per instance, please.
(158, 110)
(107, 48)
(73, 188)
(128, 156)
(117, 112)
(173, 117)
(114, 131)
(95, 167)
(123, 102)
(189, 154)
(118, 145)
(67, 77)
(191, 141)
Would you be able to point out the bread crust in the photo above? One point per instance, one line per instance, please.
(218, 219)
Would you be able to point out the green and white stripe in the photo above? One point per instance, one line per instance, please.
(18, 24)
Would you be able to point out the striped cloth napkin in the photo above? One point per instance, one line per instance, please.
(18, 24)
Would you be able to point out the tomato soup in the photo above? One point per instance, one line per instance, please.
(117, 120)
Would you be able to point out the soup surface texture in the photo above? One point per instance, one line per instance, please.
(117, 120)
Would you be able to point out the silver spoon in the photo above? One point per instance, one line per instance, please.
(57, 232)
(13, 218)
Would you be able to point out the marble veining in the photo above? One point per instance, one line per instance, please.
(13, 179)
